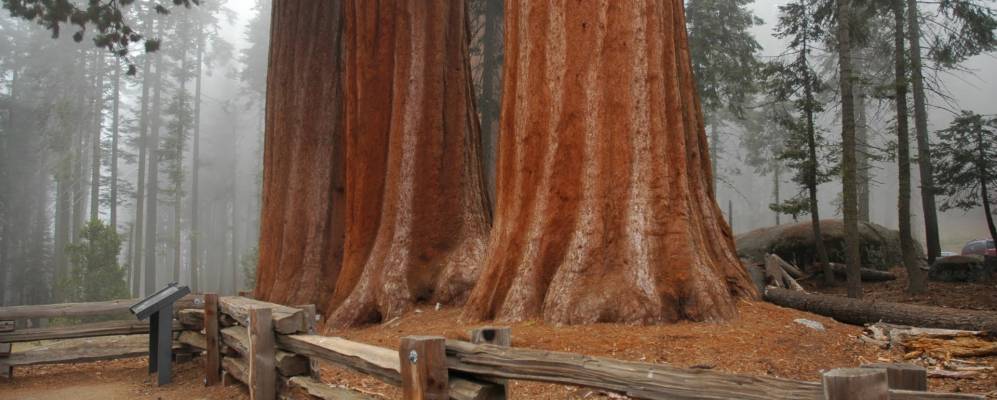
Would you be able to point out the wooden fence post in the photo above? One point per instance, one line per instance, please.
(903, 376)
(856, 384)
(424, 368)
(262, 366)
(499, 336)
(311, 314)
(213, 359)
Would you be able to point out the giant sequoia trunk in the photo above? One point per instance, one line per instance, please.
(606, 211)
(416, 221)
(301, 230)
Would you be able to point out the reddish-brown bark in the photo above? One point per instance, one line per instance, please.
(605, 210)
(301, 227)
(416, 220)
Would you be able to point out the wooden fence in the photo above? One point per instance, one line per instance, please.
(273, 349)
(12, 317)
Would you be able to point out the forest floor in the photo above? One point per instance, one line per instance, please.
(124, 379)
(763, 340)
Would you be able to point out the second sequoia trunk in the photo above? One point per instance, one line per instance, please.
(301, 228)
(605, 207)
(416, 219)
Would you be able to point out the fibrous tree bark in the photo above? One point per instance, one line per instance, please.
(301, 229)
(417, 214)
(605, 209)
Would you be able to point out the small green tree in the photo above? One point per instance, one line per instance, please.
(95, 275)
(249, 260)
(966, 165)
(796, 85)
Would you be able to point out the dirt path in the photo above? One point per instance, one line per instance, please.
(111, 380)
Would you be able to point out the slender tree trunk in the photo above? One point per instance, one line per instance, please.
(63, 215)
(849, 178)
(776, 180)
(812, 164)
(303, 207)
(862, 166)
(921, 132)
(115, 108)
(152, 182)
(417, 219)
(822, 257)
(98, 127)
(604, 171)
(143, 146)
(491, 91)
(916, 277)
(981, 145)
(195, 170)
(182, 127)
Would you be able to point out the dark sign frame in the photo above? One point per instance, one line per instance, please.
(158, 308)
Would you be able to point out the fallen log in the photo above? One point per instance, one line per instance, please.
(868, 274)
(790, 269)
(860, 312)
(778, 274)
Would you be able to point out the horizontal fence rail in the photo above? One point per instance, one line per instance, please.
(273, 350)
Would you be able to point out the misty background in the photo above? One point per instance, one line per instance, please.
(57, 97)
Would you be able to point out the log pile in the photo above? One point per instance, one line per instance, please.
(943, 351)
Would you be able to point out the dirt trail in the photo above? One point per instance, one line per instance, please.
(111, 380)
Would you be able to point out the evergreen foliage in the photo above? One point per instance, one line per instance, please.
(95, 275)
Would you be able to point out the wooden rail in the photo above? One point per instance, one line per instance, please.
(74, 310)
(82, 352)
(96, 329)
(67, 309)
(433, 367)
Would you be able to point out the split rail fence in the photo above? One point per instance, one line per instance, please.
(273, 349)
(15, 328)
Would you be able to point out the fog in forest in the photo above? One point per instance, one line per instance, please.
(81, 140)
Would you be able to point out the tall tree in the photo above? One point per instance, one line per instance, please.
(97, 116)
(797, 82)
(963, 28)
(486, 46)
(138, 222)
(604, 170)
(302, 228)
(849, 180)
(967, 165)
(152, 179)
(417, 213)
(930, 210)
(915, 275)
(724, 62)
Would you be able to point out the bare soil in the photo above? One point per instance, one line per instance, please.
(112, 380)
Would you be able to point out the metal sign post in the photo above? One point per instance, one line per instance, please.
(158, 307)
